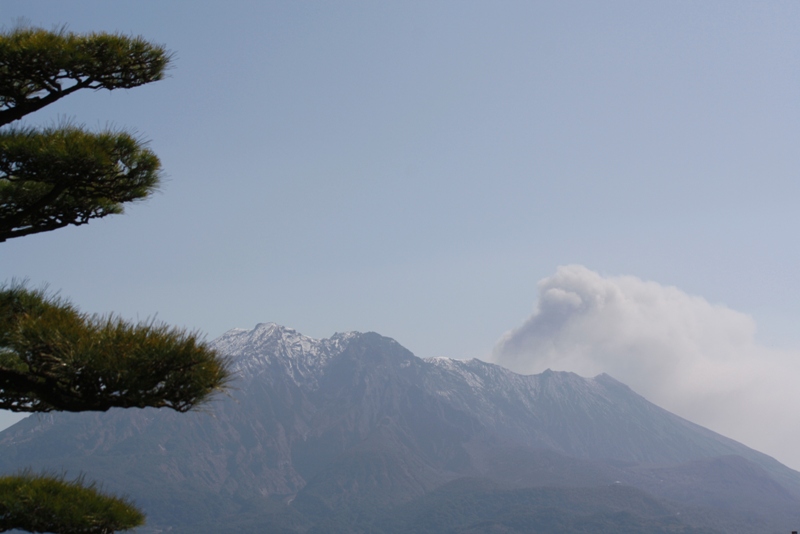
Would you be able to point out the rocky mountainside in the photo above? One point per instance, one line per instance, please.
(356, 434)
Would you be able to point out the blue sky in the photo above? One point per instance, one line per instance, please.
(416, 168)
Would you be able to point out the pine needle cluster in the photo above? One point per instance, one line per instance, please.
(52, 356)
(49, 503)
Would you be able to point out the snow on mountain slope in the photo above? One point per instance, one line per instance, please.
(594, 418)
(268, 344)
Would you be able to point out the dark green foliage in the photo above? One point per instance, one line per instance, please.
(65, 175)
(44, 503)
(38, 67)
(61, 176)
(53, 357)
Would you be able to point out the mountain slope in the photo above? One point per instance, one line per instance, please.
(337, 433)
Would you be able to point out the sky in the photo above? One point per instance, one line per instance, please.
(585, 186)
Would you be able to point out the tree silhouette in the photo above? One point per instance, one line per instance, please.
(52, 356)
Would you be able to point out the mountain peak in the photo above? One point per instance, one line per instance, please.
(253, 351)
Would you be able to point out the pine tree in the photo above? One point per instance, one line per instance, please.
(52, 356)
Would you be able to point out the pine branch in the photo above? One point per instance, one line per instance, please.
(45, 503)
(39, 67)
(54, 358)
(67, 176)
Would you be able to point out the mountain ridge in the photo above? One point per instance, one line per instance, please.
(333, 431)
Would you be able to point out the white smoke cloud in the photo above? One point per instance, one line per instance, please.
(696, 359)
